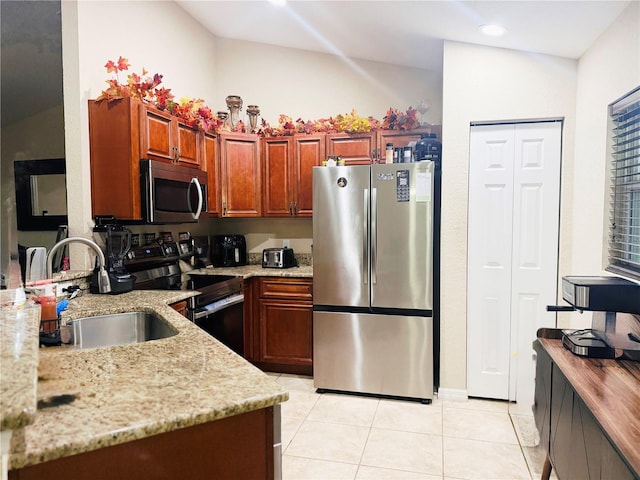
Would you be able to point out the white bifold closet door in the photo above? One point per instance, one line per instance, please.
(514, 204)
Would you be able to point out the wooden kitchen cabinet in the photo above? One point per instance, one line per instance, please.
(287, 174)
(401, 138)
(355, 149)
(282, 324)
(240, 446)
(240, 180)
(122, 132)
(211, 164)
(165, 137)
(180, 307)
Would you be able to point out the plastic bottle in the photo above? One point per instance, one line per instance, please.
(406, 155)
(48, 309)
(389, 153)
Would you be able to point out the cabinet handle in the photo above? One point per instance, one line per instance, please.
(295, 208)
(224, 209)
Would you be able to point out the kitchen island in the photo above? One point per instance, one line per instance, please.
(186, 402)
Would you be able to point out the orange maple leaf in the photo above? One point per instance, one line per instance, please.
(123, 63)
(111, 67)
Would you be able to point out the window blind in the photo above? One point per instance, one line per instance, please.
(624, 231)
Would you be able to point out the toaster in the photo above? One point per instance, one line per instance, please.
(278, 258)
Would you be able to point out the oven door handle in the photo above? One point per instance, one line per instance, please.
(229, 301)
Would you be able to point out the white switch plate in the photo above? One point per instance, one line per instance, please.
(285, 243)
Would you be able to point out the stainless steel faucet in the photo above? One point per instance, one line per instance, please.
(104, 285)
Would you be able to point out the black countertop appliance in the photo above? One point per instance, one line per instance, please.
(228, 250)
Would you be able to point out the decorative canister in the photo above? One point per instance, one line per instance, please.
(234, 103)
(222, 116)
(253, 111)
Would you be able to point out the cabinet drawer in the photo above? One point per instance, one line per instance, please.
(296, 288)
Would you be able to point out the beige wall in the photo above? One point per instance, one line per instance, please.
(159, 36)
(313, 85)
(196, 64)
(488, 84)
(607, 71)
(510, 85)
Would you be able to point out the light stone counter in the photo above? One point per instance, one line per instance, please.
(18, 362)
(94, 398)
(253, 270)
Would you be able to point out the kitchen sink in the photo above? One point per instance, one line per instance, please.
(116, 329)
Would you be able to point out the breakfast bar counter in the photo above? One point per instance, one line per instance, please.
(89, 399)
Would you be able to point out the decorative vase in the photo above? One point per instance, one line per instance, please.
(234, 104)
(253, 111)
(223, 117)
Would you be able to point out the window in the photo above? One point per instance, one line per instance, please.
(624, 225)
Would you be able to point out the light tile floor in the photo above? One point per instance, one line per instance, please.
(346, 437)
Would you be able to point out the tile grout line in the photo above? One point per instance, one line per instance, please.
(515, 431)
(364, 447)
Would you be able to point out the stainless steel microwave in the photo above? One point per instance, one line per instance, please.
(172, 193)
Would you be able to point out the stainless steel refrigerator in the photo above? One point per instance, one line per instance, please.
(373, 279)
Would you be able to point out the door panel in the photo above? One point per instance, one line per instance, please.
(378, 354)
(489, 263)
(402, 236)
(535, 240)
(514, 185)
(340, 253)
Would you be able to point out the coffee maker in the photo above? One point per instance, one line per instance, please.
(615, 323)
(228, 250)
(116, 243)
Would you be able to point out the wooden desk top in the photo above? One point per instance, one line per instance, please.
(611, 391)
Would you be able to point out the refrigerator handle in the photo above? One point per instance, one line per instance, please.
(374, 236)
(365, 216)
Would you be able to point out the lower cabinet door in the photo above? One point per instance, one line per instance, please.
(286, 332)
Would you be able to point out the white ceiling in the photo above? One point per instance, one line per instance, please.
(398, 32)
(409, 33)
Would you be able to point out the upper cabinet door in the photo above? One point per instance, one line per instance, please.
(309, 151)
(355, 149)
(241, 175)
(212, 166)
(188, 144)
(157, 140)
(277, 176)
(287, 168)
(165, 137)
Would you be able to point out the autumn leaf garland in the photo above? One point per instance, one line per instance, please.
(196, 114)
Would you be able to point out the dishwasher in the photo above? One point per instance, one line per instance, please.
(219, 309)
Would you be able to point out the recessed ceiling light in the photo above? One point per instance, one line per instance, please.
(279, 3)
(492, 30)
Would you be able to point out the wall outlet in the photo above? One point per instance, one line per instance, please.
(285, 243)
(60, 287)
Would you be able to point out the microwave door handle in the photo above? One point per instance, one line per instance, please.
(195, 181)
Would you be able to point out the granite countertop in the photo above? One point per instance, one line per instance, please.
(93, 398)
(253, 270)
(18, 362)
